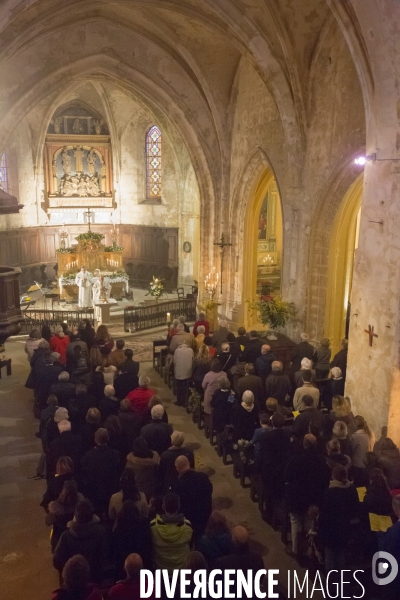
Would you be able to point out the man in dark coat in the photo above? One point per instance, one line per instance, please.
(271, 461)
(167, 473)
(63, 389)
(66, 444)
(253, 383)
(157, 433)
(45, 377)
(340, 359)
(277, 384)
(308, 415)
(242, 338)
(84, 536)
(307, 476)
(264, 362)
(302, 350)
(100, 472)
(195, 492)
(252, 349)
(126, 381)
(129, 365)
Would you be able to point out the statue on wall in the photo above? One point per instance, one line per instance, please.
(78, 153)
(57, 124)
(91, 161)
(78, 127)
(98, 123)
(66, 161)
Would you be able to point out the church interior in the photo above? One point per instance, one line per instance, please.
(238, 152)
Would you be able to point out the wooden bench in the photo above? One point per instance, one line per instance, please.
(6, 363)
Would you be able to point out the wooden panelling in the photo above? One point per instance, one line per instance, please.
(37, 245)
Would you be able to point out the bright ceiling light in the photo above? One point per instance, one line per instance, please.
(360, 160)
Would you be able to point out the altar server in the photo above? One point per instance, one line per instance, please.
(84, 282)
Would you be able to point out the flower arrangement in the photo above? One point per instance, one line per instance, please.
(121, 274)
(90, 236)
(68, 277)
(65, 250)
(194, 400)
(113, 248)
(274, 311)
(156, 288)
(245, 450)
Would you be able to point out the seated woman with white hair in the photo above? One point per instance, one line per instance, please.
(244, 418)
(109, 404)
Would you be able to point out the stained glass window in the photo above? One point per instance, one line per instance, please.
(153, 163)
(3, 173)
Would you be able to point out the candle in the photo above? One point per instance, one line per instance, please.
(168, 317)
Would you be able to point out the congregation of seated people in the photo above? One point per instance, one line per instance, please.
(123, 492)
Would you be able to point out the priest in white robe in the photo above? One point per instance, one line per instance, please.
(84, 282)
(101, 289)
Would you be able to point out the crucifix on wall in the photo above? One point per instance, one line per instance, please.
(222, 245)
(89, 214)
(371, 334)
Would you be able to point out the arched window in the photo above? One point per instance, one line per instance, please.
(3, 173)
(153, 163)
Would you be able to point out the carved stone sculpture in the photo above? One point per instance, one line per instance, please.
(79, 152)
(66, 161)
(98, 123)
(57, 124)
(91, 161)
(78, 127)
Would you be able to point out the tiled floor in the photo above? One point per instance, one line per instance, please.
(25, 560)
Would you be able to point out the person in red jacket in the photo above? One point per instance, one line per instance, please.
(201, 321)
(139, 398)
(58, 343)
(129, 588)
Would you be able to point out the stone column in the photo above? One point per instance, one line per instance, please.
(373, 376)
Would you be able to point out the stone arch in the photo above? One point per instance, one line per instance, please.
(247, 199)
(328, 206)
(341, 261)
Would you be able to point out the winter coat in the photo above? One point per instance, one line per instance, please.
(200, 370)
(272, 459)
(263, 365)
(340, 505)
(195, 492)
(157, 435)
(222, 403)
(145, 472)
(210, 385)
(139, 399)
(244, 422)
(360, 445)
(64, 390)
(124, 384)
(183, 362)
(302, 422)
(322, 358)
(308, 477)
(54, 487)
(130, 424)
(214, 547)
(227, 360)
(89, 539)
(377, 500)
(254, 384)
(303, 350)
(108, 406)
(205, 324)
(340, 360)
(116, 502)
(100, 475)
(252, 351)
(219, 337)
(59, 516)
(389, 462)
(130, 366)
(136, 540)
(167, 473)
(182, 338)
(307, 389)
(171, 536)
(109, 374)
(59, 343)
(66, 444)
(277, 385)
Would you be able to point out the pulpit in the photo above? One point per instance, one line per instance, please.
(105, 311)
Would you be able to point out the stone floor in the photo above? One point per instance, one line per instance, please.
(25, 558)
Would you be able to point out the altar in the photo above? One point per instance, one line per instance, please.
(98, 259)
